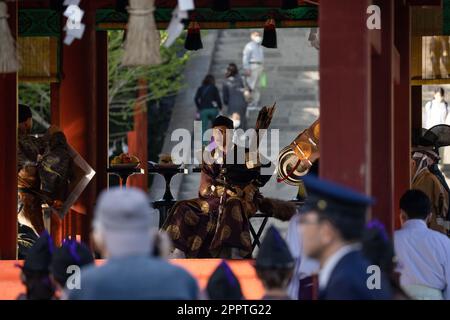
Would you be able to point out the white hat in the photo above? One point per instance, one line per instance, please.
(126, 221)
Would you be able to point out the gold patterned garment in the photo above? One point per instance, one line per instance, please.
(44, 167)
(55, 167)
(201, 229)
(29, 148)
(30, 205)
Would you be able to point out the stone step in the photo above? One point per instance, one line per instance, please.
(273, 70)
(267, 99)
(237, 32)
(225, 53)
(292, 81)
(245, 35)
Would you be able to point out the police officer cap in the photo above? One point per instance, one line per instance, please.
(331, 198)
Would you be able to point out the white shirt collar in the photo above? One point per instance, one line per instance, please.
(330, 264)
(414, 223)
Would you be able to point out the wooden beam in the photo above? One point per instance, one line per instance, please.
(138, 138)
(402, 110)
(79, 117)
(45, 21)
(381, 119)
(207, 16)
(344, 93)
(396, 64)
(208, 3)
(102, 110)
(430, 82)
(110, 4)
(8, 160)
(375, 40)
(425, 3)
(221, 25)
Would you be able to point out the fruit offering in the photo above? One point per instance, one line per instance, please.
(125, 159)
(165, 159)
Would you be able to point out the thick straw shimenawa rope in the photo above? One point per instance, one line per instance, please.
(142, 40)
(8, 53)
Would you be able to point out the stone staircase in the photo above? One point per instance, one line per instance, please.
(292, 73)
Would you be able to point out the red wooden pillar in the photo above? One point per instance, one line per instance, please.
(102, 110)
(382, 95)
(137, 139)
(8, 158)
(402, 110)
(344, 93)
(83, 113)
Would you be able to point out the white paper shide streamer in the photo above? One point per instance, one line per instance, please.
(74, 27)
(8, 53)
(142, 39)
(176, 25)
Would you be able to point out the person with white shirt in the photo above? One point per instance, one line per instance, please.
(332, 225)
(253, 63)
(436, 110)
(305, 269)
(423, 254)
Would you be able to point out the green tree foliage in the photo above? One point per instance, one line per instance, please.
(37, 96)
(162, 81)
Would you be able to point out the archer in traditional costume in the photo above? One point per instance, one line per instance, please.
(216, 224)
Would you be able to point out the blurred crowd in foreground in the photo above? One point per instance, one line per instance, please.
(331, 252)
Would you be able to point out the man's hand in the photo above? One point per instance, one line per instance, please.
(249, 192)
(247, 72)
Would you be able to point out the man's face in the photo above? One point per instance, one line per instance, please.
(438, 96)
(256, 37)
(313, 233)
(26, 126)
(236, 119)
(220, 136)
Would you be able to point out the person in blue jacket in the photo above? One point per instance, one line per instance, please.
(332, 226)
